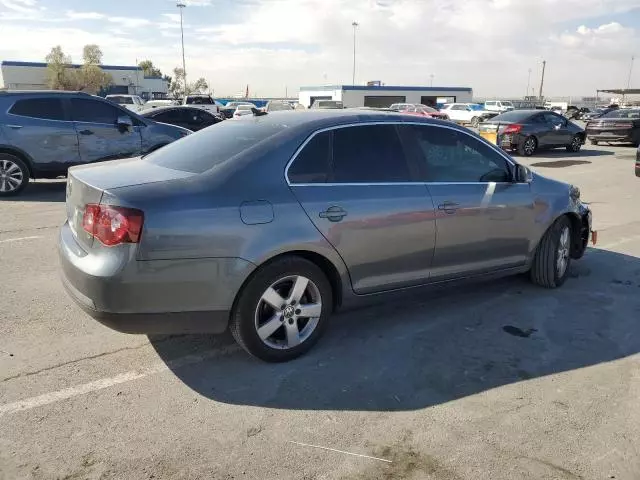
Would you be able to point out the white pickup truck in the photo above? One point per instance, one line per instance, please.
(467, 113)
(499, 106)
(130, 102)
(206, 102)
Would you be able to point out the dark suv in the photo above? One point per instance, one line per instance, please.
(43, 133)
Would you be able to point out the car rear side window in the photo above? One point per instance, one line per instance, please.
(369, 154)
(45, 108)
(204, 150)
(450, 156)
(312, 163)
(94, 111)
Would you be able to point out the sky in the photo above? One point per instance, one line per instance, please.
(276, 46)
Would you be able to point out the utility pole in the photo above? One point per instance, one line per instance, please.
(526, 94)
(181, 6)
(353, 76)
(544, 64)
(431, 80)
(629, 78)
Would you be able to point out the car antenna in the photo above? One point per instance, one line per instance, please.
(256, 112)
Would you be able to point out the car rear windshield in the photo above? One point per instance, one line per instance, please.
(121, 100)
(623, 113)
(202, 151)
(200, 101)
(512, 116)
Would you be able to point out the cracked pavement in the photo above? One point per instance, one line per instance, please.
(496, 380)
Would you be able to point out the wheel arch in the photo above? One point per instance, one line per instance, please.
(579, 233)
(321, 261)
(21, 155)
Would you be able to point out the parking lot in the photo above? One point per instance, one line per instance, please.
(500, 380)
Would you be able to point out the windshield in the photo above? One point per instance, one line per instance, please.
(329, 104)
(632, 114)
(507, 104)
(275, 106)
(245, 107)
(207, 148)
(121, 100)
(235, 104)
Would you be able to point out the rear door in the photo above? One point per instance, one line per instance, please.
(483, 219)
(99, 136)
(360, 190)
(41, 128)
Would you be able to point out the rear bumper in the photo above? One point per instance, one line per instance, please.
(611, 136)
(159, 296)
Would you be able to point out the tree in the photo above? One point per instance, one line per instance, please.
(58, 65)
(92, 55)
(176, 87)
(200, 86)
(149, 69)
(90, 77)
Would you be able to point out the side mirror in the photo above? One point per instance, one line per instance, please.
(124, 122)
(523, 174)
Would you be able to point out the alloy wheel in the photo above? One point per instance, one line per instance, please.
(576, 143)
(562, 259)
(529, 146)
(288, 312)
(11, 176)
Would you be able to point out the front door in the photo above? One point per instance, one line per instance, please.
(99, 136)
(559, 134)
(357, 187)
(483, 219)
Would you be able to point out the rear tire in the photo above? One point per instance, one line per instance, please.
(273, 333)
(593, 142)
(14, 175)
(475, 122)
(552, 259)
(528, 147)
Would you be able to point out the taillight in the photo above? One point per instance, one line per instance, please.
(513, 128)
(112, 225)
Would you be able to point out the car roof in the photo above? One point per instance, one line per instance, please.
(43, 92)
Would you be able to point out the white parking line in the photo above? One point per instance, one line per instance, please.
(67, 393)
(619, 242)
(19, 239)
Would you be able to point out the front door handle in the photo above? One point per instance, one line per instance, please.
(85, 132)
(448, 207)
(333, 214)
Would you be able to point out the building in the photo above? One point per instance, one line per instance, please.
(383, 95)
(126, 80)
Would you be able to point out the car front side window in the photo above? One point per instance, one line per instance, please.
(450, 156)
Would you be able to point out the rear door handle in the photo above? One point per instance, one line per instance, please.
(86, 132)
(333, 214)
(449, 207)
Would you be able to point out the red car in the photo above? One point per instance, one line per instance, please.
(420, 110)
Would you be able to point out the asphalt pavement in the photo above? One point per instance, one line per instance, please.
(501, 380)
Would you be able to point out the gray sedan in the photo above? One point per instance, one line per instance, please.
(268, 224)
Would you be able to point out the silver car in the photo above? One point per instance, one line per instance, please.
(43, 133)
(269, 224)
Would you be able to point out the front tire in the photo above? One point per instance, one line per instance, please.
(283, 310)
(528, 147)
(552, 259)
(14, 175)
(475, 122)
(575, 145)
(594, 142)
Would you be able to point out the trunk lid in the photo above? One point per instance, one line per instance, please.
(88, 183)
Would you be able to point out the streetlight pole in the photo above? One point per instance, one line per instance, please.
(431, 80)
(528, 83)
(544, 64)
(629, 78)
(181, 6)
(353, 75)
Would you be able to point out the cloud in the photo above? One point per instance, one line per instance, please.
(21, 6)
(194, 3)
(129, 22)
(84, 15)
(174, 17)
